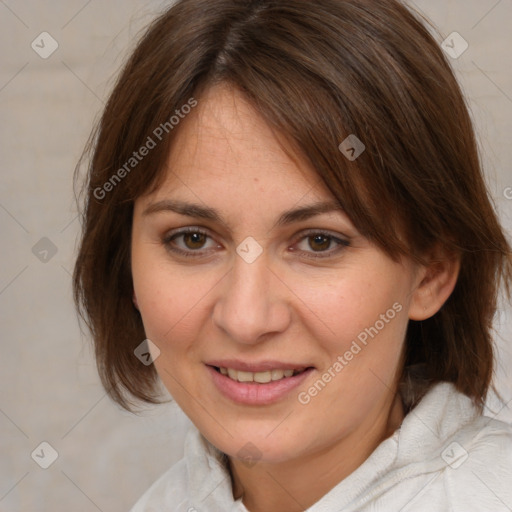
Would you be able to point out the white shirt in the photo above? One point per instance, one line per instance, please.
(445, 457)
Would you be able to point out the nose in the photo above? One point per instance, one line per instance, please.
(251, 302)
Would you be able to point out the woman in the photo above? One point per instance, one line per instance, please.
(286, 224)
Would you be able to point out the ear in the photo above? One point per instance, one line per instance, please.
(436, 281)
(135, 303)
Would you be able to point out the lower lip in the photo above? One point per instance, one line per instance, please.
(253, 393)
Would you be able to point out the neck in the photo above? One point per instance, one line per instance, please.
(289, 487)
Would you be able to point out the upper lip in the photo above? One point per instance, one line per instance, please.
(261, 366)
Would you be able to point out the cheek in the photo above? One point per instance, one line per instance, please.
(358, 324)
(170, 301)
(355, 306)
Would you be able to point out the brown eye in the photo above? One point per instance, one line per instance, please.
(190, 242)
(194, 240)
(319, 242)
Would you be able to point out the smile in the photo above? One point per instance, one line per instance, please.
(263, 387)
(259, 377)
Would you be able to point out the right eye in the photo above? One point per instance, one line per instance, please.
(188, 242)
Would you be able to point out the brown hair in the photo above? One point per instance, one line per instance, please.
(317, 72)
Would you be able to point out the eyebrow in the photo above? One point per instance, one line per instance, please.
(204, 212)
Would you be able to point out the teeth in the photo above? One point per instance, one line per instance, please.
(279, 374)
(245, 376)
(260, 377)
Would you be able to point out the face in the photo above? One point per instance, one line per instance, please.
(226, 276)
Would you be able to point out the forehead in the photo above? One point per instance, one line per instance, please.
(225, 147)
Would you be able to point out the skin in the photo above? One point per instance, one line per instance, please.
(286, 305)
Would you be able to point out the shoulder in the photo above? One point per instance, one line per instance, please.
(478, 472)
(172, 489)
(199, 477)
(468, 464)
(169, 492)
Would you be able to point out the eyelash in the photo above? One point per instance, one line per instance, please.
(168, 239)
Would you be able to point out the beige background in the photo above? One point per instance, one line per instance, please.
(49, 387)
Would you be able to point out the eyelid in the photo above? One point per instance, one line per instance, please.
(319, 231)
(341, 240)
(176, 233)
(185, 230)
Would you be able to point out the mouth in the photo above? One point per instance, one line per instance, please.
(261, 377)
(257, 384)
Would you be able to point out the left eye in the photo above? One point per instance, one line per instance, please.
(320, 243)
